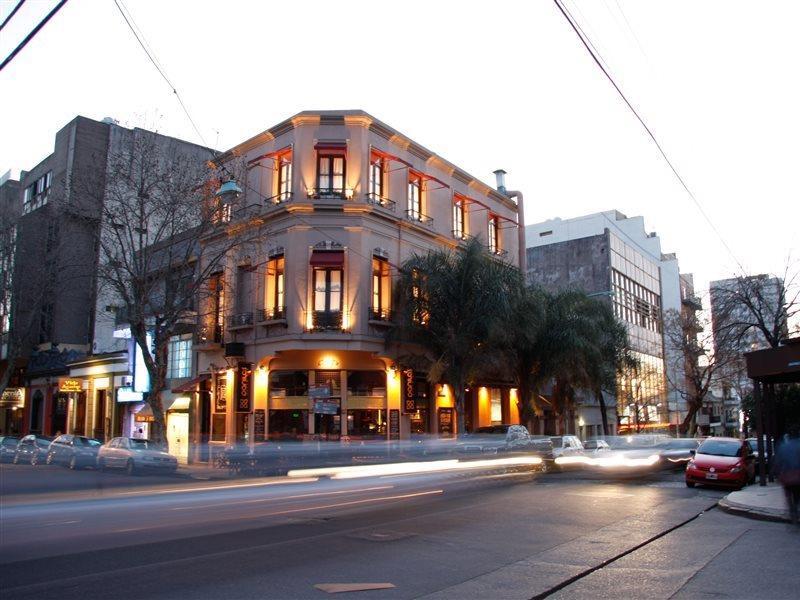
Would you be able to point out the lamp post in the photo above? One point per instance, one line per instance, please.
(228, 192)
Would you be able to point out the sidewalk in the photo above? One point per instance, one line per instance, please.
(767, 503)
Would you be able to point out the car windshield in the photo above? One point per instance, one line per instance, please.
(144, 445)
(720, 448)
(9, 441)
(86, 442)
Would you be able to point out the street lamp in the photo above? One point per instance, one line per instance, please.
(228, 191)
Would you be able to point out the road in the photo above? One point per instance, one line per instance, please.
(478, 534)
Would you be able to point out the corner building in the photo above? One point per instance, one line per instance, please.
(291, 335)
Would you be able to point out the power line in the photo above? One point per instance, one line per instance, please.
(13, 12)
(587, 45)
(32, 34)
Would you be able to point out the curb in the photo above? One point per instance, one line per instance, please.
(753, 513)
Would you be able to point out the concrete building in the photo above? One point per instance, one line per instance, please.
(611, 256)
(290, 341)
(74, 364)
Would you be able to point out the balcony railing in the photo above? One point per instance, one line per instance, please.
(244, 319)
(325, 321)
(208, 335)
(417, 217)
(380, 202)
(379, 315)
(501, 252)
(330, 193)
(279, 199)
(271, 314)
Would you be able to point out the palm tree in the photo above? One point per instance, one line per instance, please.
(448, 303)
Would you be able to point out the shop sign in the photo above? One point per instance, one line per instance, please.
(68, 385)
(409, 401)
(13, 397)
(145, 419)
(126, 394)
(326, 406)
(243, 382)
(446, 422)
(260, 425)
(319, 391)
(394, 424)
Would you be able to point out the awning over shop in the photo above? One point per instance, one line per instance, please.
(190, 385)
(180, 403)
(320, 258)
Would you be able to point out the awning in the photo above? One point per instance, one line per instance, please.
(180, 403)
(189, 386)
(331, 147)
(321, 258)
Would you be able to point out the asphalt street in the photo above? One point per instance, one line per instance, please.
(486, 533)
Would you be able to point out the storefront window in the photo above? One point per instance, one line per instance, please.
(218, 428)
(496, 412)
(366, 423)
(287, 424)
(366, 383)
(288, 383)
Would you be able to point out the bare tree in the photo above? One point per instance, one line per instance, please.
(161, 234)
(702, 361)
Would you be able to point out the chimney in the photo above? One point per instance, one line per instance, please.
(501, 180)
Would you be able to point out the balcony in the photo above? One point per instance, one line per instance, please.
(500, 252)
(380, 316)
(417, 217)
(269, 316)
(384, 203)
(332, 321)
(279, 199)
(208, 338)
(692, 302)
(240, 320)
(330, 193)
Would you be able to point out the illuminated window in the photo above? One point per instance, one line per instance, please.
(284, 177)
(180, 357)
(376, 168)
(327, 290)
(381, 289)
(496, 404)
(415, 196)
(330, 175)
(494, 245)
(458, 217)
(275, 305)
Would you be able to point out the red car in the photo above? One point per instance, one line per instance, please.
(721, 461)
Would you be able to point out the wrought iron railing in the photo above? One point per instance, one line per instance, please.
(381, 202)
(418, 217)
(277, 313)
(244, 319)
(279, 199)
(383, 315)
(325, 321)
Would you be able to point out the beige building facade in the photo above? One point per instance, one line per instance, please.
(291, 338)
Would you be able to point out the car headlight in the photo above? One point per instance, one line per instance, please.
(736, 469)
(690, 464)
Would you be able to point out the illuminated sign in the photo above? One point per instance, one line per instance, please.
(243, 387)
(13, 397)
(68, 385)
(409, 401)
(126, 394)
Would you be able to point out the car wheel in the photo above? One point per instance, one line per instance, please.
(50, 458)
(34, 459)
(130, 467)
(690, 484)
(16, 459)
(73, 462)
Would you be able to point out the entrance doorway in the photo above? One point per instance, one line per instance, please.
(178, 435)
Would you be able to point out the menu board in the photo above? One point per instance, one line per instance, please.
(260, 425)
(446, 425)
(394, 424)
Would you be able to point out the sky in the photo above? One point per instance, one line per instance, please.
(486, 85)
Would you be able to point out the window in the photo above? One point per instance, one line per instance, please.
(415, 196)
(327, 290)
(458, 218)
(366, 383)
(283, 384)
(330, 175)
(284, 177)
(180, 357)
(381, 289)
(376, 168)
(274, 306)
(36, 193)
(217, 289)
(496, 405)
(494, 245)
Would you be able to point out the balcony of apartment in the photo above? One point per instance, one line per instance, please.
(278, 200)
(329, 197)
(381, 317)
(326, 321)
(498, 252)
(208, 338)
(266, 317)
(242, 320)
(382, 203)
(692, 302)
(419, 218)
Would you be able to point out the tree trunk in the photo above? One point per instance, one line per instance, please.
(689, 425)
(603, 412)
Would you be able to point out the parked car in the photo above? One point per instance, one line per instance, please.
(596, 446)
(8, 447)
(135, 455)
(567, 445)
(674, 454)
(73, 451)
(753, 443)
(721, 461)
(495, 439)
(32, 449)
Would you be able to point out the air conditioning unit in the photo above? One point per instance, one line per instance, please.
(234, 350)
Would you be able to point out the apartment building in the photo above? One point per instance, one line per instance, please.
(291, 338)
(613, 257)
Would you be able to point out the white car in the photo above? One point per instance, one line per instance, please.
(566, 445)
(135, 455)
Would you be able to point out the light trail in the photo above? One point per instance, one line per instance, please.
(608, 461)
(218, 487)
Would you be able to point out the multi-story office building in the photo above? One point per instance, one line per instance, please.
(73, 368)
(613, 257)
(339, 200)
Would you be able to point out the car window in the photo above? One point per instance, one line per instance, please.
(720, 448)
(9, 441)
(86, 442)
(143, 445)
(557, 441)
